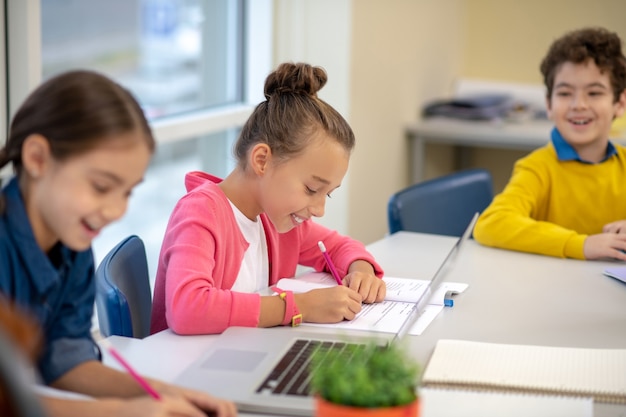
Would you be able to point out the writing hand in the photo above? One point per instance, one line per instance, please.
(329, 305)
(211, 405)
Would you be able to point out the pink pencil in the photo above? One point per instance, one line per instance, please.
(144, 384)
(329, 262)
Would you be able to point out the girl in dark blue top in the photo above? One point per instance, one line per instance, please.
(78, 146)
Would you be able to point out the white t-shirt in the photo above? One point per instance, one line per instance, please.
(254, 272)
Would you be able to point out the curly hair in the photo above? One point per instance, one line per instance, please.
(579, 46)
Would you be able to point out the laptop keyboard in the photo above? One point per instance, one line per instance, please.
(290, 376)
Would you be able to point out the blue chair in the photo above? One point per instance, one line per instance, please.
(123, 294)
(443, 205)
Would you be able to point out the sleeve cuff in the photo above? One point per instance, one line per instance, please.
(574, 247)
(65, 354)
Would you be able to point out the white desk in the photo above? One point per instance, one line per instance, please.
(512, 298)
(524, 136)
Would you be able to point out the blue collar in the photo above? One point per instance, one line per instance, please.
(566, 152)
(44, 274)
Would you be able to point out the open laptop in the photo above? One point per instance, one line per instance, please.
(246, 364)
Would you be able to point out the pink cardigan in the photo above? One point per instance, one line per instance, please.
(202, 252)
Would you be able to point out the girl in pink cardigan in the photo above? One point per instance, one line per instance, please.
(228, 239)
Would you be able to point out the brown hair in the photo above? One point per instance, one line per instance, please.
(291, 114)
(21, 331)
(75, 111)
(579, 46)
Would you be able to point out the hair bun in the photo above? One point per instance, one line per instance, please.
(299, 78)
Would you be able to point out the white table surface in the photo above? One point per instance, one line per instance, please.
(512, 298)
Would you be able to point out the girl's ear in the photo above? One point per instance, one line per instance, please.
(35, 155)
(260, 156)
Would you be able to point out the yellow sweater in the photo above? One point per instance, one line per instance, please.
(549, 206)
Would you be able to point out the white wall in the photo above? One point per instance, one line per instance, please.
(404, 52)
(384, 59)
(318, 32)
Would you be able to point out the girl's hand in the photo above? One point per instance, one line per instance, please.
(361, 279)
(329, 305)
(371, 288)
(167, 406)
(217, 407)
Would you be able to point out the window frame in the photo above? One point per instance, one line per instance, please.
(21, 70)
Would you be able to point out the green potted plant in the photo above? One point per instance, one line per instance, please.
(372, 380)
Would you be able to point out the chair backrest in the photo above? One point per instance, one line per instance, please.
(443, 205)
(123, 294)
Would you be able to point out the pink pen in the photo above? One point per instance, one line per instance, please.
(329, 262)
(140, 380)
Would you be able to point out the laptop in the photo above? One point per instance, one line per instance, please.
(247, 365)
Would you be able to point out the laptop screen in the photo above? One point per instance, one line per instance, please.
(437, 279)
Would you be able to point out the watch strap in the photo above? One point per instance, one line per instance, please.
(292, 313)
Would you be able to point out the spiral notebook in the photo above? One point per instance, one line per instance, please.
(584, 372)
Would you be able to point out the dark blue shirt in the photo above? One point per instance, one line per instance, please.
(57, 287)
(566, 152)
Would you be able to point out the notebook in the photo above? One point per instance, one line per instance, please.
(243, 363)
(566, 371)
(464, 403)
(619, 273)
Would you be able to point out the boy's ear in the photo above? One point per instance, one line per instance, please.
(260, 156)
(620, 105)
(35, 155)
(549, 107)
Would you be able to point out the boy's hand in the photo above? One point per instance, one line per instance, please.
(615, 227)
(606, 245)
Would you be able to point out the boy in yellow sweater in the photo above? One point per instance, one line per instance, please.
(568, 198)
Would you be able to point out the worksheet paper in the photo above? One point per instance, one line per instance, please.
(388, 315)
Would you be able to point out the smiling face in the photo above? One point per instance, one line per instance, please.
(582, 107)
(293, 191)
(73, 199)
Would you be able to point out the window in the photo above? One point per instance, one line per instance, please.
(188, 62)
(177, 56)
